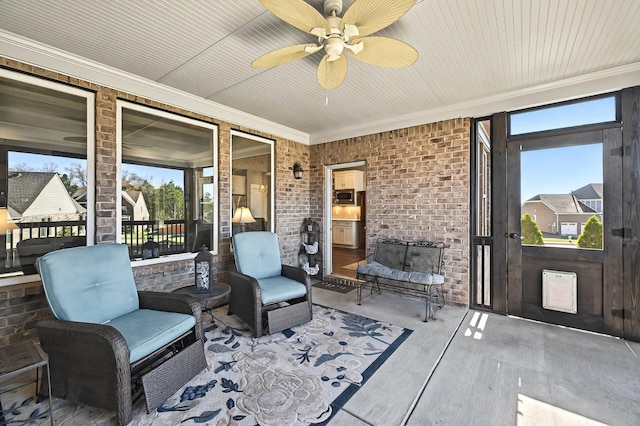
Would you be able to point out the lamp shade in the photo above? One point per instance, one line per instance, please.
(243, 215)
(6, 223)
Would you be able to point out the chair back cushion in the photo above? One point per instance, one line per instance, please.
(257, 254)
(89, 284)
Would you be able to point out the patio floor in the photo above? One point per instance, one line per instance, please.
(477, 368)
(467, 367)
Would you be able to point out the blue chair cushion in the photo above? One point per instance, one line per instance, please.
(146, 331)
(280, 289)
(89, 284)
(257, 254)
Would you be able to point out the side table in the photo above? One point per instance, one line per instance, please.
(19, 358)
(218, 296)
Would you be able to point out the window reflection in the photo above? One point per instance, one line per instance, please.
(251, 182)
(168, 183)
(44, 175)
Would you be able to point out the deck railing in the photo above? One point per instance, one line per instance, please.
(50, 235)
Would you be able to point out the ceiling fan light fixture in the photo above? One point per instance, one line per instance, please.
(334, 47)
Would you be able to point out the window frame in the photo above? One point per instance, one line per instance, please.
(90, 100)
(120, 106)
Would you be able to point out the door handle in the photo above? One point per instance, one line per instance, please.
(514, 236)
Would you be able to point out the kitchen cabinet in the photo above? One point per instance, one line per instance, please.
(348, 179)
(345, 233)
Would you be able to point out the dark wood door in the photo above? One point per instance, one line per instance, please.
(541, 273)
(629, 309)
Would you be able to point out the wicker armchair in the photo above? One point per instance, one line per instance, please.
(110, 343)
(264, 293)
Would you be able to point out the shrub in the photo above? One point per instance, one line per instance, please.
(591, 236)
(531, 233)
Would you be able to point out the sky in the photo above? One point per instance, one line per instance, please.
(561, 170)
(157, 176)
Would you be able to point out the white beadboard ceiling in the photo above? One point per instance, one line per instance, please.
(476, 57)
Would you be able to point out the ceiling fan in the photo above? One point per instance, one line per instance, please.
(336, 35)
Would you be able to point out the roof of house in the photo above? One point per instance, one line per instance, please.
(134, 194)
(24, 188)
(563, 203)
(592, 191)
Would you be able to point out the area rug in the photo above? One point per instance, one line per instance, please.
(301, 376)
(340, 288)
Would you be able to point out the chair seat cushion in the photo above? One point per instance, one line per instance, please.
(279, 289)
(146, 331)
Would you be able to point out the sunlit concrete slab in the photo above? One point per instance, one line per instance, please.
(502, 371)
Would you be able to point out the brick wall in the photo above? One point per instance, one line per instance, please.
(22, 305)
(417, 188)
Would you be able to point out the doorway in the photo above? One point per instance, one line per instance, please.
(563, 259)
(345, 230)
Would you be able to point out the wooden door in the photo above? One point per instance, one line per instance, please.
(598, 270)
(628, 309)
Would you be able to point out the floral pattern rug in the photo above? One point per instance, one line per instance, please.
(300, 376)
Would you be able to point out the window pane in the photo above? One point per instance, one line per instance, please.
(600, 110)
(562, 199)
(168, 194)
(43, 148)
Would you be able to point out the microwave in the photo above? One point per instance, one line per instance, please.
(344, 196)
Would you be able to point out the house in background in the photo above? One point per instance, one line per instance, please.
(134, 206)
(41, 197)
(591, 195)
(565, 214)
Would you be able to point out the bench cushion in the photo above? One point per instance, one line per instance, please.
(279, 289)
(146, 331)
(377, 269)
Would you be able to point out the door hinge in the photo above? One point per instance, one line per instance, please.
(621, 151)
(621, 232)
(620, 313)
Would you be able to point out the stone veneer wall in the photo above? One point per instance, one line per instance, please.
(417, 188)
(22, 305)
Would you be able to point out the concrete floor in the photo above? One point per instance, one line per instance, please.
(476, 368)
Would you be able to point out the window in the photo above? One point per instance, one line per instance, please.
(168, 182)
(590, 111)
(252, 181)
(553, 210)
(46, 172)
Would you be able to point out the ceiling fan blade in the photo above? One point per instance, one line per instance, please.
(370, 16)
(285, 55)
(385, 52)
(297, 13)
(332, 73)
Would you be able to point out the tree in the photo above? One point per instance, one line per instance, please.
(77, 174)
(71, 187)
(531, 233)
(591, 236)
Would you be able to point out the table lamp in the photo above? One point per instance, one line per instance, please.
(243, 216)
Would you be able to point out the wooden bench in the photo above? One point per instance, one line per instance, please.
(415, 265)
